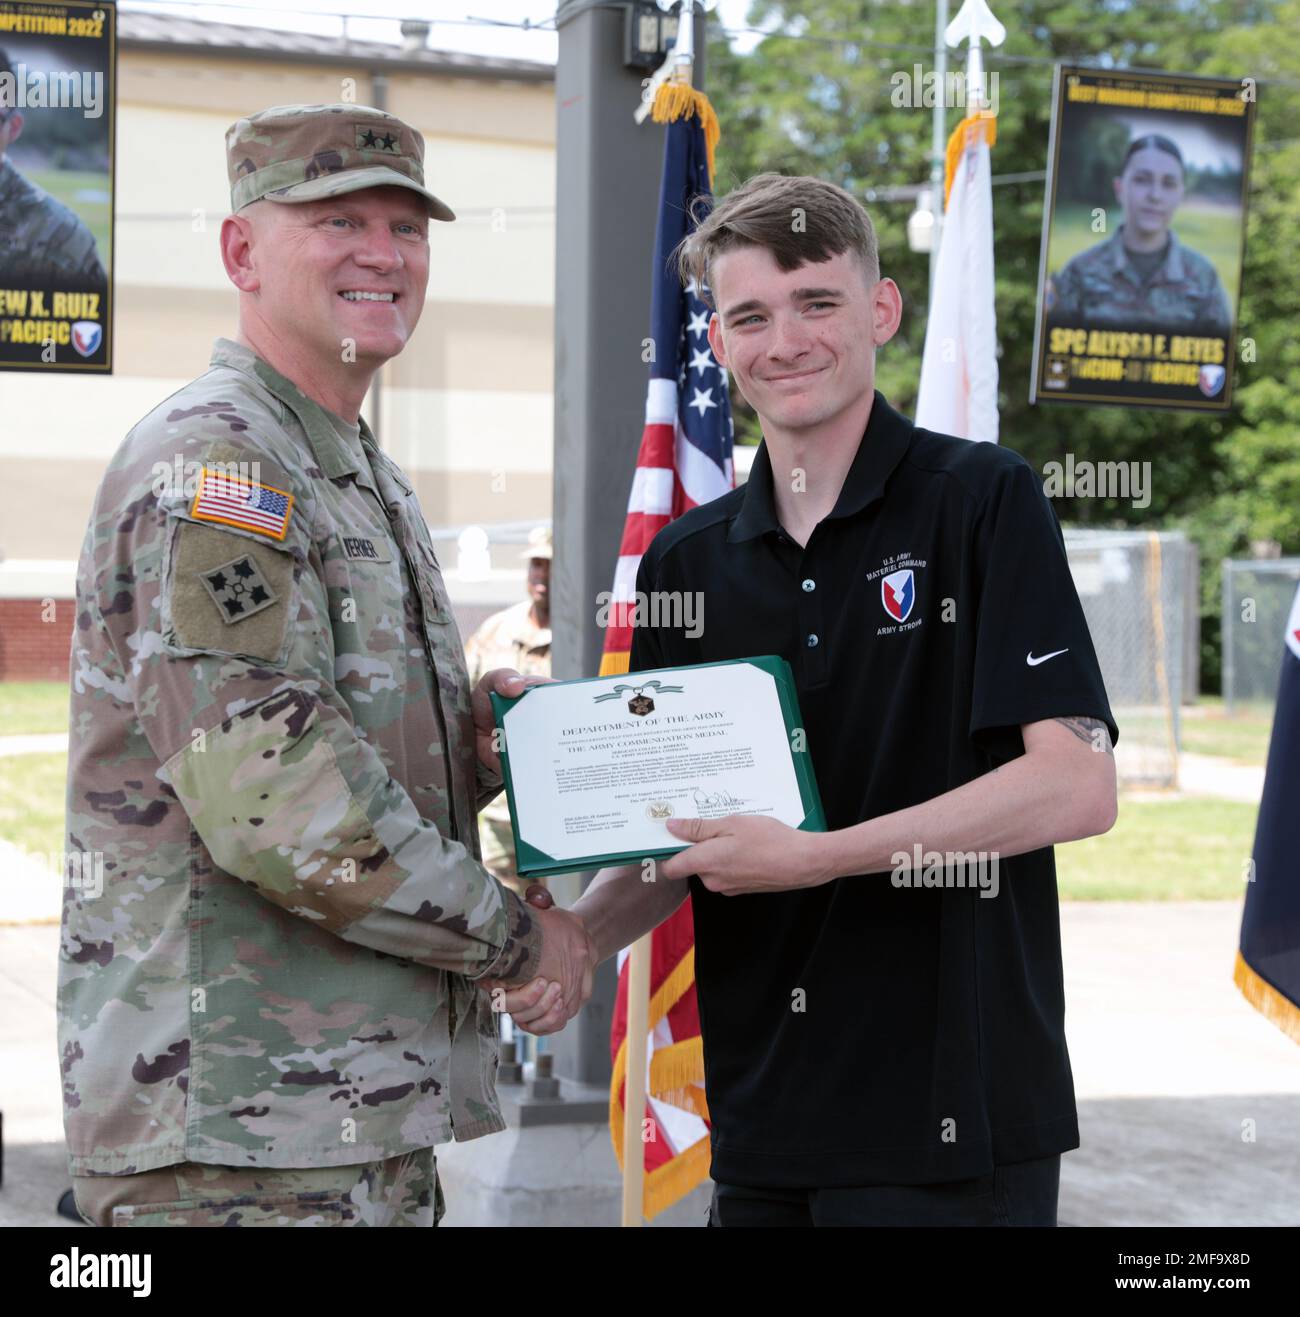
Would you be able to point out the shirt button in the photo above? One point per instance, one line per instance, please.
(810, 584)
(813, 642)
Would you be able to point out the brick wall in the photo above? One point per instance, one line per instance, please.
(32, 649)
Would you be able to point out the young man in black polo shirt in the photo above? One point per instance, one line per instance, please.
(882, 1010)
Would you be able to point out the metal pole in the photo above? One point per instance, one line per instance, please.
(938, 136)
(634, 1091)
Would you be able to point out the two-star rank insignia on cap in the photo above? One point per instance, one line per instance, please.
(238, 589)
(244, 503)
(369, 140)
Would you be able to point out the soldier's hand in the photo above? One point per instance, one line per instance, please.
(508, 683)
(568, 957)
(536, 1006)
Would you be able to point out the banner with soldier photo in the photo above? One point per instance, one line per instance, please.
(58, 84)
(1143, 236)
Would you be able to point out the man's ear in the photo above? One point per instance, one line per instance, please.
(237, 235)
(886, 311)
(715, 341)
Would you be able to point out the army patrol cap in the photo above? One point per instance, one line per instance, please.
(297, 153)
(539, 544)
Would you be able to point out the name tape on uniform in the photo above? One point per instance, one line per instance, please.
(360, 548)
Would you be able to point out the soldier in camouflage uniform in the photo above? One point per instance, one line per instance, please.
(1143, 277)
(42, 243)
(518, 637)
(278, 1002)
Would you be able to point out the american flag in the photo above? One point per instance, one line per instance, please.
(226, 499)
(1267, 968)
(685, 459)
(685, 454)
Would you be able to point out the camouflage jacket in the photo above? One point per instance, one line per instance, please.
(41, 240)
(272, 749)
(1100, 287)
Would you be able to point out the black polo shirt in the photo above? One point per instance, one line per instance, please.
(928, 1043)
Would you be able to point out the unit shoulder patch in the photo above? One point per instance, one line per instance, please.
(228, 593)
(238, 589)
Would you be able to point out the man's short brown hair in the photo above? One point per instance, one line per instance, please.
(797, 219)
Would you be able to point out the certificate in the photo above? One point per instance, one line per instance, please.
(594, 768)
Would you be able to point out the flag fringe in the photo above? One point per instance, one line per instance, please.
(982, 122)
(670, 1183)
(677, 1068)
(678, 100)
(615, 663)
(1266, 999)
(677, 1077)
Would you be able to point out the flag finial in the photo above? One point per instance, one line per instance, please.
(975, 21)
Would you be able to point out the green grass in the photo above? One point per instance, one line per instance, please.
(28, 707)
(1158, 850)
(31, 801)
(1243, 737)
(64, 185)
(1214, 231)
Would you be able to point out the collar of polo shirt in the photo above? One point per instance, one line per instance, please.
(881, 449)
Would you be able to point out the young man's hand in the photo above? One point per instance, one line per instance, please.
(546, 1003)
(747, 853)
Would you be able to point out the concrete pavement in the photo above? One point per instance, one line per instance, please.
(1189, 1101)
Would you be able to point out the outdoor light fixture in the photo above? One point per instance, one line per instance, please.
(648, 35)
(920, 223)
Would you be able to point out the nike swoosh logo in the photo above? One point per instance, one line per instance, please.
(1034, 662)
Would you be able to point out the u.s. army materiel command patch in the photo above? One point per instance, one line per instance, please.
(238, 589)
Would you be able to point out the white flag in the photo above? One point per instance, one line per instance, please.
(959, 368)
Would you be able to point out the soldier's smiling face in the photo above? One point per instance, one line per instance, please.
(344, 270)
(1150, 189)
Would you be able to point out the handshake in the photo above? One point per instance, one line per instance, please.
(547, 1002)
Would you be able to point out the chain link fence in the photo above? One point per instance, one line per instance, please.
(1257, 596)
(1136, 593)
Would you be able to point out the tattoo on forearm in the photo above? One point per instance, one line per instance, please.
(1092, 730)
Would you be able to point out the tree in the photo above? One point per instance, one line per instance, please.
(816, 98)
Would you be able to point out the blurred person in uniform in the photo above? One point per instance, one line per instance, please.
(518, 637)
(275, 1004)
(1142, 276)
(42, 243)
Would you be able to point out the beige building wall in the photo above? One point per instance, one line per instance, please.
(466, 409)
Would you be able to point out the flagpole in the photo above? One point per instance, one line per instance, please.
(634, 1092)
(677, 67)
(938, 133)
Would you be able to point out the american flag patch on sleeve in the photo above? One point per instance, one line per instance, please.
(244, 503)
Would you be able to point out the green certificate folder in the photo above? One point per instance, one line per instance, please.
(594, 767)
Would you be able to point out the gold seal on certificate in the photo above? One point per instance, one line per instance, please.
(594, 768)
